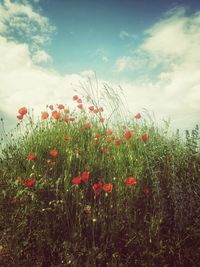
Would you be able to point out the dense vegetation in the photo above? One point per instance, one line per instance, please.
(79, 191)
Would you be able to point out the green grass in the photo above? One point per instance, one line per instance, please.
(154, 222)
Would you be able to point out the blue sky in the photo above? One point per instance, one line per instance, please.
(149, 48)
(88, 31)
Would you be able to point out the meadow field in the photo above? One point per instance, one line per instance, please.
(78, 189)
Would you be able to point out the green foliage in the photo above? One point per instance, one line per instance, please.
(57, 223)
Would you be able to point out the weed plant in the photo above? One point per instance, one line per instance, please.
(79, 190)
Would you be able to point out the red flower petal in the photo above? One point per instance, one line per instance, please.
(76, 180)
(107, 187)
(137, 116)
(145, 137)
(88, 126)
(56, 115)
(117, 142)
(20, 116)
(130, 181)
(29, 182)
(85, 176)
(75, 97)
(109, 132)
(53, 152)
(101, 120)
(91, 108)
(61, 106)
(80, 106)
(97, 188)
(97, 136)
(127, 135)
(31, 156)
(66, 110)
(96, 110)
(23, 111)
(51, 107)
(45, 115)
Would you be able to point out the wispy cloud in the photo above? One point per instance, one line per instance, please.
(102, 54)
(124, 35)
(20, 23)
(124, 63)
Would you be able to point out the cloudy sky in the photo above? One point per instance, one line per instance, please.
(151, 48)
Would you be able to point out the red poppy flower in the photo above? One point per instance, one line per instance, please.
(146, 190)
(130, 181)
(145, 137)
(22, 111)
(96, 110)
(80, 106)
(137, 116)
(97, 188)
(56, 115)
(101, 120)
(51, 107)
(76, 180)
(97, 136)
(66, 110)
(31, 156)
(45, 115)
(91, 108)
(127, 135)
(85, 176)
(61, 106)
(29, 182)
(88, 126)
(67, 119)
(107, 187)
(75, 97)
(109, 132)
(117, 142)
(20, 116)
(54, 153)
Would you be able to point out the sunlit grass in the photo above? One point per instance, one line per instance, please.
(81, 190)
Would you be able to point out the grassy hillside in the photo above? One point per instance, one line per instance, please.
(77, 190)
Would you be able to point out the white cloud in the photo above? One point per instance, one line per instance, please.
(87, 73)
(25, 84)
(19, 22)
(173, 44)
(41, 56)
(123, 63)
